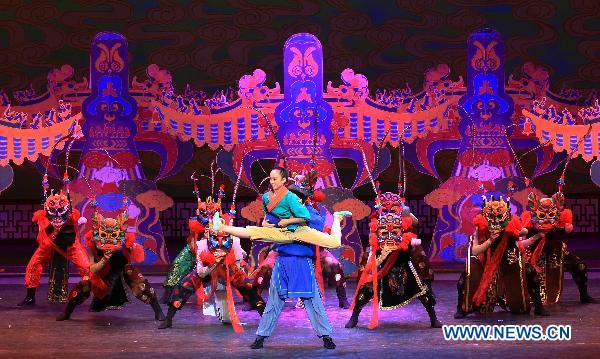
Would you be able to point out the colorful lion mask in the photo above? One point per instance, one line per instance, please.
(389, 220)
(58, 208)
(496, 212)
(545, 212)
(109, 233)
(210, 218)
(219, 241)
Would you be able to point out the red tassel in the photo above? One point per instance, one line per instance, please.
(229, 259)
(375, 315)
(235, 322)
(365, 274)
(319, 272)
(371, 267)
(318, 196)
(406, 240)
(480, 222)
(89, 241)
(514, 227)
(407, 223)
(41, 219)
(129, 239)
(363, 278)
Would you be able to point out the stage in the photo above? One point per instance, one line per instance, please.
(409, 136)
(132, 332)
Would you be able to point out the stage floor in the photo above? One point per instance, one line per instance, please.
(402, 333)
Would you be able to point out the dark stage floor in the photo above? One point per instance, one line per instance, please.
(402, 333)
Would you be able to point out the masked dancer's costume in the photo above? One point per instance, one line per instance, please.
(185, 261)
(397, 270)
(548, 223)
(218, 255)
(112, 251)
(58, 241)
(497, 272)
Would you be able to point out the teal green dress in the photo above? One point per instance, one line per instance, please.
(289, 206)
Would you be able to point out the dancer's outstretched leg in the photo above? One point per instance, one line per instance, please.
(302, 233)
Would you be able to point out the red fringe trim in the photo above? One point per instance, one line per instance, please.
(75, 215)
(480, 222)
(526, 220)
(514, 227)
(407, 223)
(129, 239)
(195, 227)
(137, 253)
(566, 217)
(207, 258)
